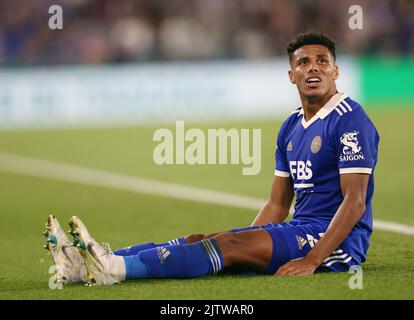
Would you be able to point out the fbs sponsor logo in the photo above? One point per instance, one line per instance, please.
(301, 170)
(351, 149)
(163, 254)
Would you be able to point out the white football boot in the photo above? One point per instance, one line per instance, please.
(69, 264)
(102, 265)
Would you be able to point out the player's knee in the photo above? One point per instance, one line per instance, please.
(229, 244)
(192, 238)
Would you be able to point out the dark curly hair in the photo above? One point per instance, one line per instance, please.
(310, 37)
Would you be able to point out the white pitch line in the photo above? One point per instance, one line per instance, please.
(99, 178)
(393, 227)
(93, 177)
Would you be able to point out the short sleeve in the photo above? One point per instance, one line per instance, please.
(357, 143)
(282, 165)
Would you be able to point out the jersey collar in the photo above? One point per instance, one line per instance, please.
(325, 110)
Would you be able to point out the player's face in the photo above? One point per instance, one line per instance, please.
(314, 71)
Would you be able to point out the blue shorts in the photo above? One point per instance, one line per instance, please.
(294, 239)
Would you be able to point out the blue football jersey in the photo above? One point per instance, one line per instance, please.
(339, 139)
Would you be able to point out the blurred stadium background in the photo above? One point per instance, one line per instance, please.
(92, 95)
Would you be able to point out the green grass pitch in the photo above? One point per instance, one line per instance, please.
(125, 218)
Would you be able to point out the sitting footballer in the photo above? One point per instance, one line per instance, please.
(326, 152)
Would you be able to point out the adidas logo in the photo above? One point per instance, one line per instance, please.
(301, 242)
(163, 254)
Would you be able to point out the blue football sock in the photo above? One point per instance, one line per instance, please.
(135, 268)
(134, 250)
(178, 261)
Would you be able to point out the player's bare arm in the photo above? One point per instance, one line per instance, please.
(354, 189)
(276, 208)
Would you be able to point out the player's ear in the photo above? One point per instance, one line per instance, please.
(336, 72)
(291, 77)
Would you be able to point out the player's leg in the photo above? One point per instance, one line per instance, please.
(198, 237)
(176, 261)
(262, 249)
(133, 262)
(135, 249)
(255, 245)
(192, 238)
(251, 249)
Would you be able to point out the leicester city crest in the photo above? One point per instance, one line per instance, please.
(316, 144)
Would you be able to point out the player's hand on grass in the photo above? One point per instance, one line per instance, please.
(298, 267)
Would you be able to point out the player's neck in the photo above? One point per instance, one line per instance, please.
(311, 106)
